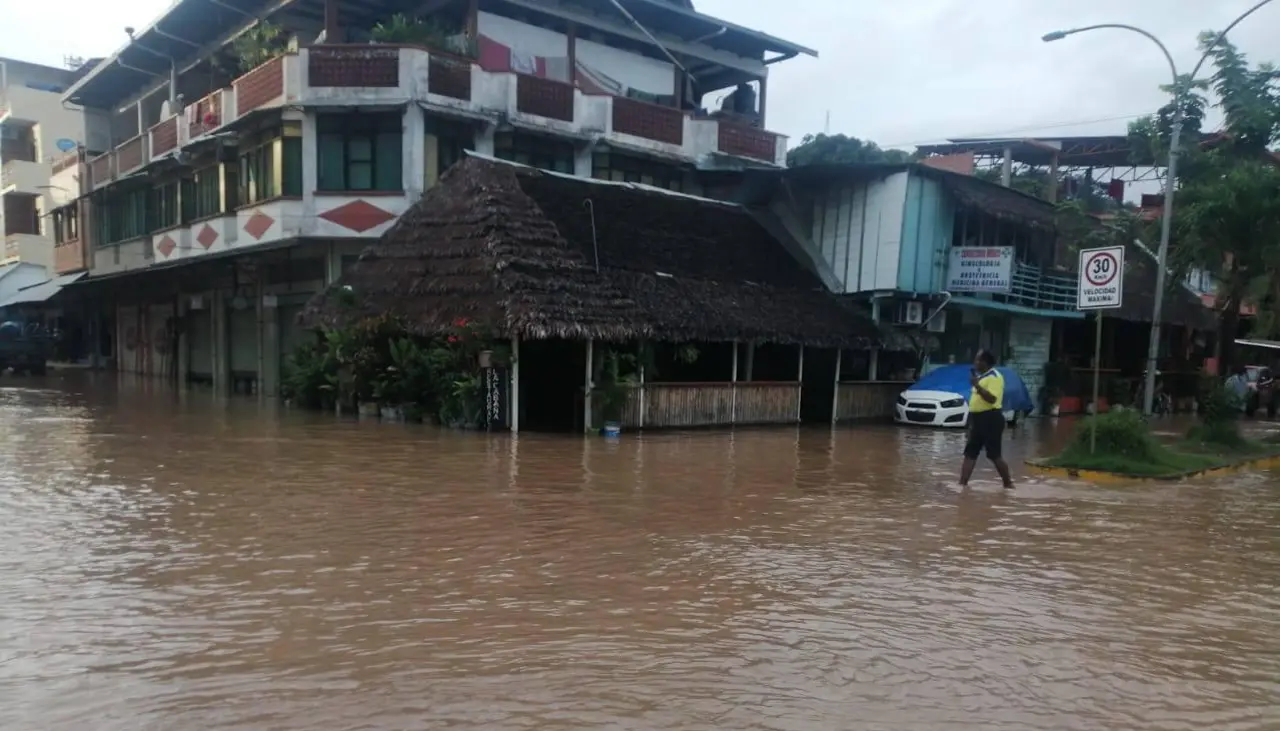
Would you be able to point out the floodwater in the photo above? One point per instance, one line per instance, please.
(174, 563)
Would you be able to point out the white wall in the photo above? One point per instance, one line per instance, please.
(858, 231)
(640, 72)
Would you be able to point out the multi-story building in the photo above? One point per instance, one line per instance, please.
(35, 128)
(258, 146)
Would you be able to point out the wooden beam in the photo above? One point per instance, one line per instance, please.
(571, 34)
(332, 27)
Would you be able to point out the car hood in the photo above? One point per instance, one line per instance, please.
(927, 395)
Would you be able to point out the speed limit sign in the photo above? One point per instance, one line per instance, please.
(1101, 278)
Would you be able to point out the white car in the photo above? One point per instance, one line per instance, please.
(936, 408)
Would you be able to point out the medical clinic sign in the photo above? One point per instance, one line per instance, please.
(980, 269)
(1101, 278)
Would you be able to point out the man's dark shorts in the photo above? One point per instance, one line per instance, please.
(986, 430)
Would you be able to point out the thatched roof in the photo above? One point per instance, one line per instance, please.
(515, 249)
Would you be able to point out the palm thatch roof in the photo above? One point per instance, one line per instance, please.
(542, 255)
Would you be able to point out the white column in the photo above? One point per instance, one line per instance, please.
(415, 149)
(484, 139)
(733, 393)
(513, 410)
(835, 393)
(875, 352)
(587, 386)
(800, 384)
(310, 165)
(584, 160)
(269, 346)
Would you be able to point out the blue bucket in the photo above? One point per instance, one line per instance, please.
(611, 429)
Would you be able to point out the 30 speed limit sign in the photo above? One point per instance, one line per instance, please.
(1101, 278)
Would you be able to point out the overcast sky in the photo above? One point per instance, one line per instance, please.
(900, 72)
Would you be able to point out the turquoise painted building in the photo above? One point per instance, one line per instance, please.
(884, 235)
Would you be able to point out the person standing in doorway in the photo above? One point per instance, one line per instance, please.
(986, 419)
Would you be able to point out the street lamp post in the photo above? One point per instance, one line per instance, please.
(1175, 139)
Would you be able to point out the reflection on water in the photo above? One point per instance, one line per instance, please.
(169, 562)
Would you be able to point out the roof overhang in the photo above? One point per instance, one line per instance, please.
(43, 291)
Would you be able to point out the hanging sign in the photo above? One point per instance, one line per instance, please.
(1101, 278)
(980, 269)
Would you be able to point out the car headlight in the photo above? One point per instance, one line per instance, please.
(952, 403)
(902, 400)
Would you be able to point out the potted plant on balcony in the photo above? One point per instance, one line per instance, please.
(428, 33)
(260, 44)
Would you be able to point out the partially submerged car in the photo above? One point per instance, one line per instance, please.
(941, 398)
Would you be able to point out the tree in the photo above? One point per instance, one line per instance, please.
(824, 149)
(1227, 207)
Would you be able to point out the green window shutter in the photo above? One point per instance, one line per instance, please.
(292, 174)
(389, 161)
(330, 160)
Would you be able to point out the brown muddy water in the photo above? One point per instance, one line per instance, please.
(176, 563)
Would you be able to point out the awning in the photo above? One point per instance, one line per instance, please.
(41, 292)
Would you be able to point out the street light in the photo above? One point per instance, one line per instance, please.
(1175, 138)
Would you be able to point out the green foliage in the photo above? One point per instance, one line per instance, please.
(822, 149)
(374, 360)
(426, 32)
(260, 44)
(1218, 405)
(1121, 432)
(1220, 435)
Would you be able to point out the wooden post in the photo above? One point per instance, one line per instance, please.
(873, 373)
(513, 408)
(800, 385)
(835, 394)
(473, 18)
(641, 394)
(733, 387)
(332, 28)
(571, 33)
(587, 386)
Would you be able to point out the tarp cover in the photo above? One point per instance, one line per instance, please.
(955, 379)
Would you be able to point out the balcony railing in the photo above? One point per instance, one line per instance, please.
(260, 86)
(102, 169)
(544, 97)
(207, 115)
(449, 77)
(650, 121)
(743, 140)
(69, 160)
(131, 155)
(353, 66)
(164, 137)
(1032, 287)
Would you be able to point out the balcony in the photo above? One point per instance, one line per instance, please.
(23, 176)
(29, 248)
(369, 75)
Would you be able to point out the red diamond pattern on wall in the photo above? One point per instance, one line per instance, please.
(258, 224)
(207, 236)
(166, 246)
(358, 215)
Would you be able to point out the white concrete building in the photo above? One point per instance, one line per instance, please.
(35, 129)
(236, 188)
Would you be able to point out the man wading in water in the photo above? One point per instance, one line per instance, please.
(986, 419)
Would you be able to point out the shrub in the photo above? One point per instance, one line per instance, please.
(1219, 414)
(1121, 433)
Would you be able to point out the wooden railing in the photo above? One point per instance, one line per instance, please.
(544, 97)
(259, 86)
(449, 77)
(867, 399)
(207, 115)
(353, 66)
(676, 405)
(650, 121)
(744, 140)
(131, 155)
(164, 136)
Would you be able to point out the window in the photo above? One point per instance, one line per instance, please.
(628, 169)
(66, 224)
(122, 215)
(164, 207)
(257, 173)
(205, 194)
(535, 151)
(360, 152)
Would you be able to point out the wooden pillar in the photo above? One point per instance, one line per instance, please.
(835, 393)
(641, 394)
(473, 18)
(332, 28)
(873, 373)
(513, 407)
(800, 385)
(587, 386)
(571, 33)
(733, 387)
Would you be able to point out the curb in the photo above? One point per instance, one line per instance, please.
(1040, 466)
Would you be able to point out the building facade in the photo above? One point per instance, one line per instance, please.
(243, 178)
(35, 130)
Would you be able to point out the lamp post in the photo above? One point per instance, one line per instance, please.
(1175, 139)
